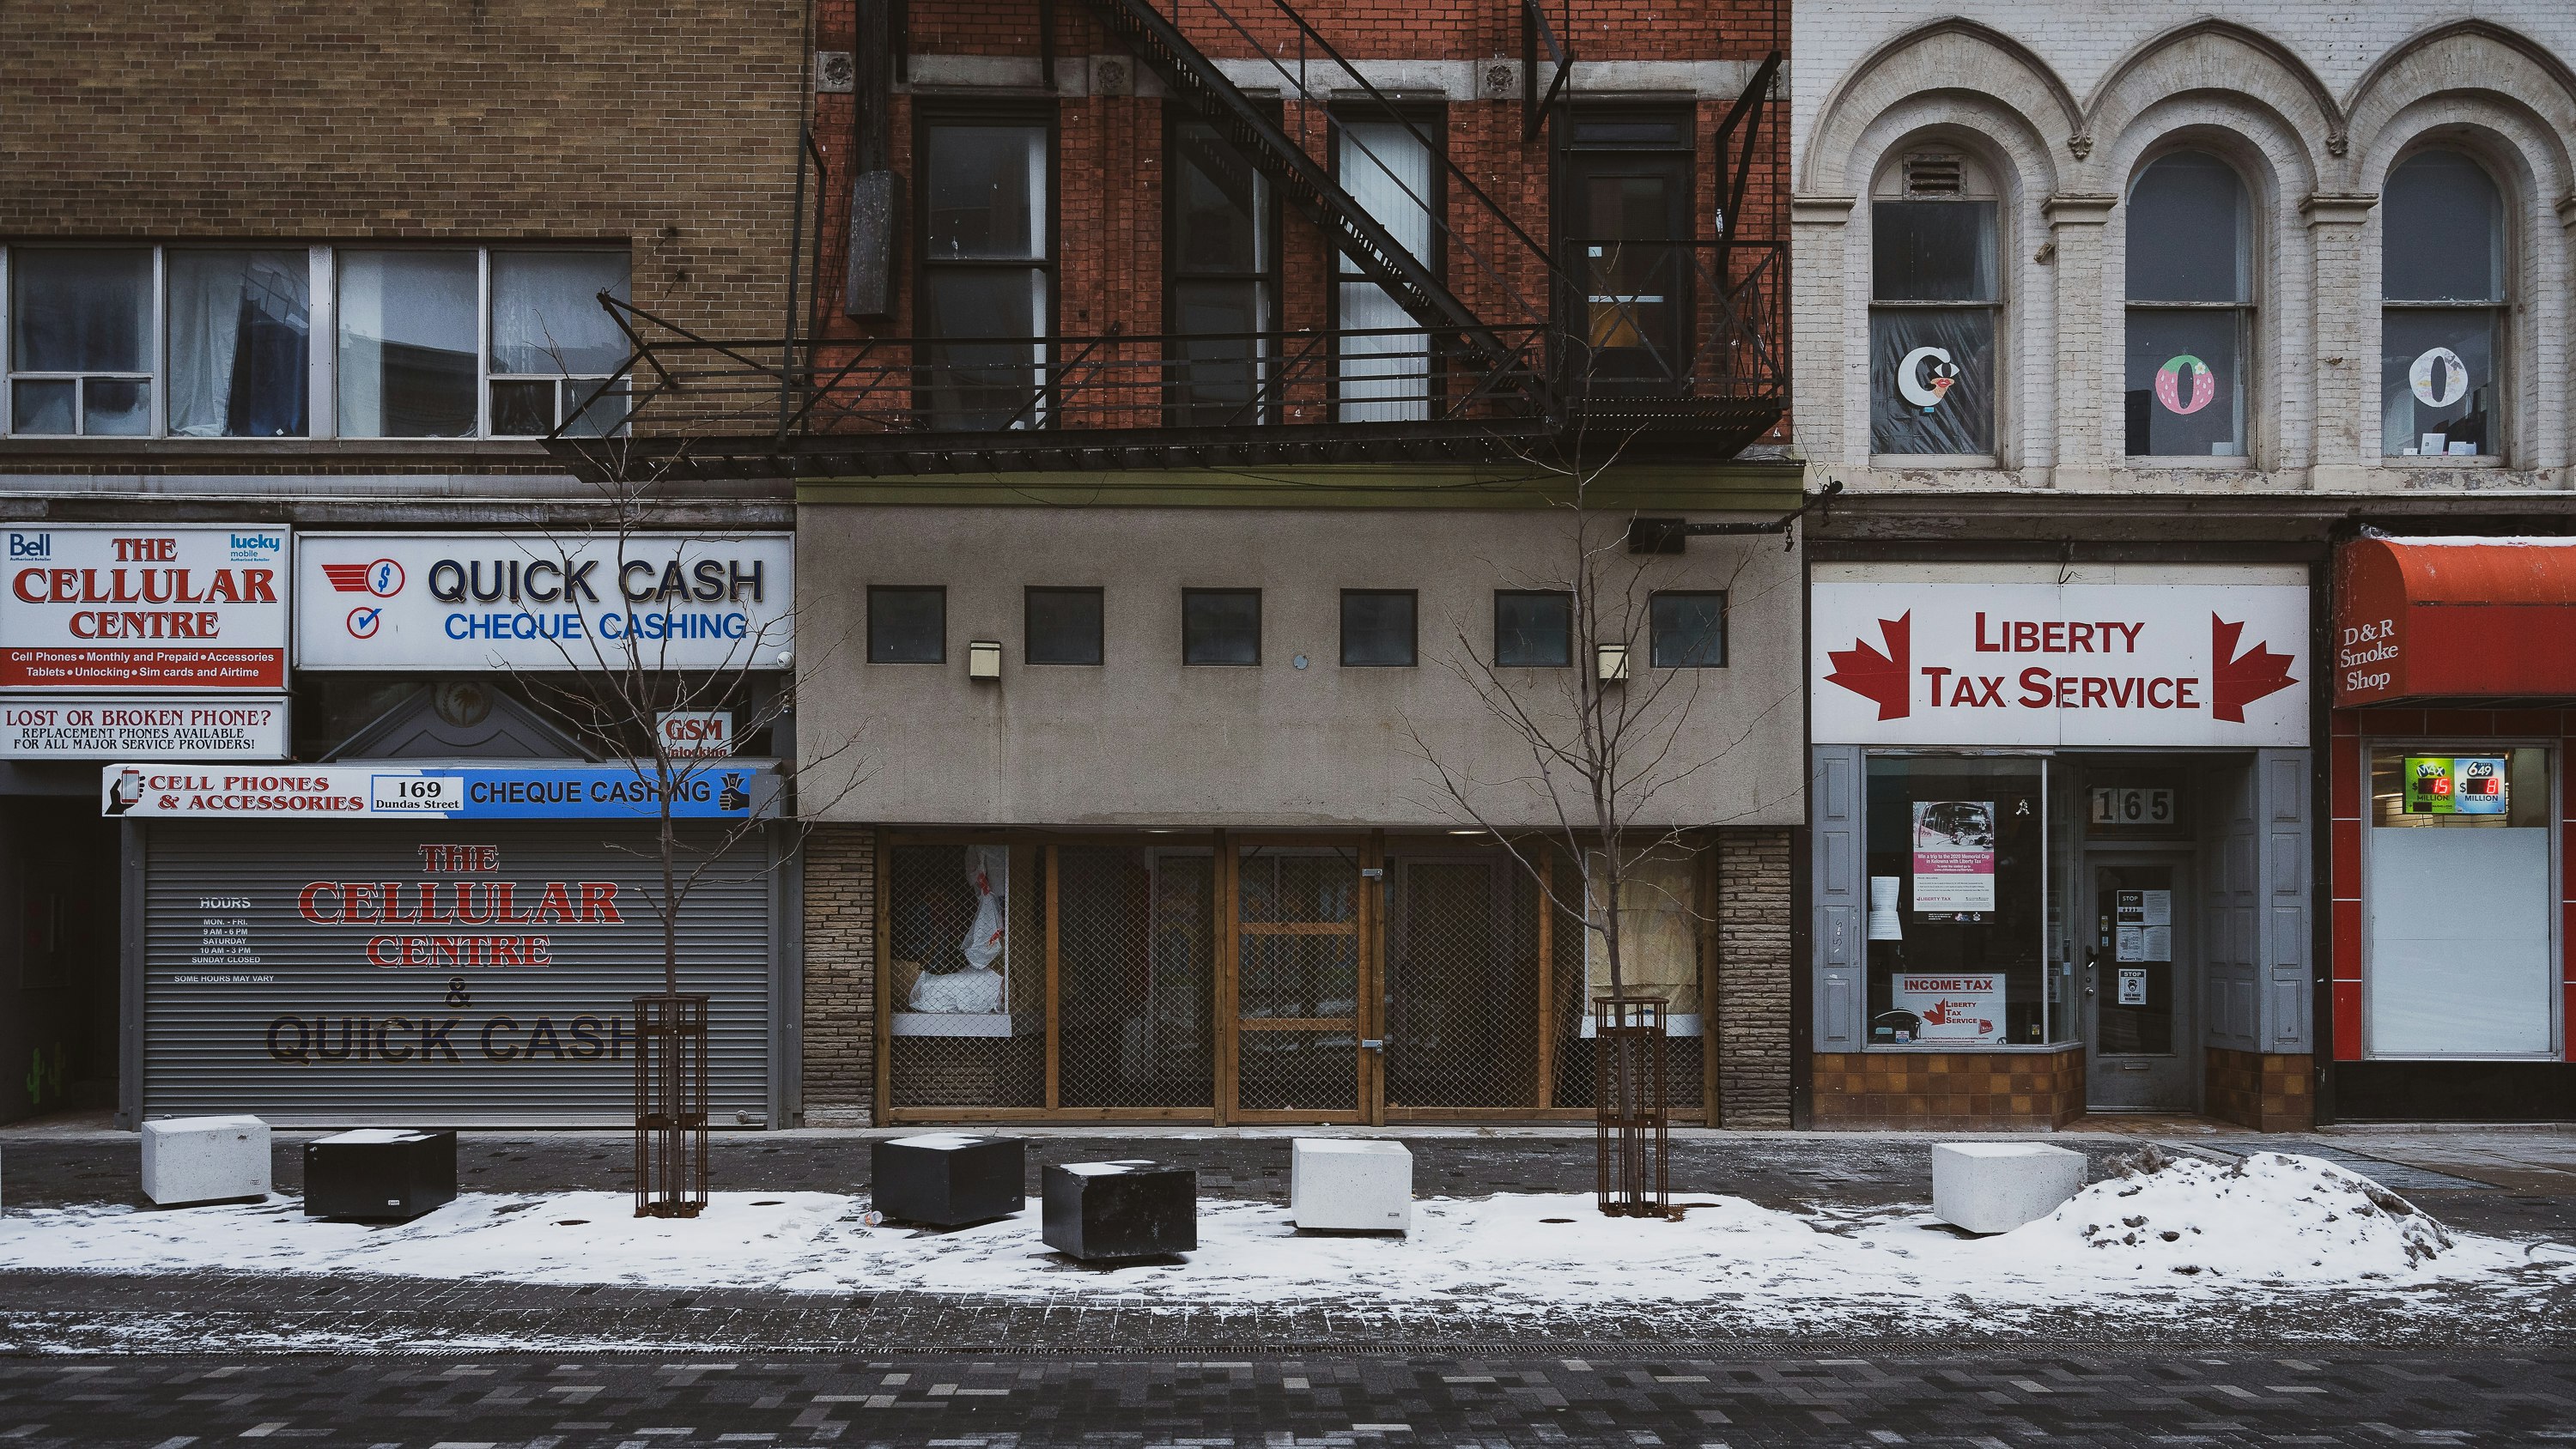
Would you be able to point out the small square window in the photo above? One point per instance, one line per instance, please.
(1690, 630)
(1220, 626)
(1533, 628)
(1063, 626)
(907, 625)
(1377, 629)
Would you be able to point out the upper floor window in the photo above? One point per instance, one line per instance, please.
(1062, 626)
(2190, 308)
(907, 624)
(1689, 628)
(2442, 307)
(1533, 628)
(1383, 365)
(211, 342)
(1934, 299)
(1224, 280)
(987, 232)
(1220, 626)
(1378, 629)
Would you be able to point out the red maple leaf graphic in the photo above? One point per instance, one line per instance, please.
(1875, 676)
(2240, 679)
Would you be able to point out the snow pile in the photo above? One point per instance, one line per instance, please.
(2267, 1215)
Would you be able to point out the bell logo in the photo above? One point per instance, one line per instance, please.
(1884, 678)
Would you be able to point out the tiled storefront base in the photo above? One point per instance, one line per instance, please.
(2267, 1091)
(1950, 1091)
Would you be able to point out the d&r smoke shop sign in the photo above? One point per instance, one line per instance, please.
(160, 608)
(2016, 663)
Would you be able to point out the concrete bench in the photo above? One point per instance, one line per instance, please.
(381, 1174)
(204, 1159)
(1105, 1211)
(1995, 1187)
(948, 1179)
(1350, 1185)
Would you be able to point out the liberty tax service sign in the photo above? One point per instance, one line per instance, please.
(1966, 1008)
(475, 601)
(193, 608)
(2024, 663)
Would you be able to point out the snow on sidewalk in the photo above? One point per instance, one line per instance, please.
(2184, 1232)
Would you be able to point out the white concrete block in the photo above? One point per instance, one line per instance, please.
(1995, 1187)
(1348, 1184)
(204, 1159)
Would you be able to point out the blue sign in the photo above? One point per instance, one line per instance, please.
(700, 790)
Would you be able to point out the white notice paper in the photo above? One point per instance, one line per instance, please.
(2132, 944)
(2157, 908)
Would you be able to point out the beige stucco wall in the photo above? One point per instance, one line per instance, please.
(1144, 740)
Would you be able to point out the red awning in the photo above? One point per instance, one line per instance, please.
(2458, 618)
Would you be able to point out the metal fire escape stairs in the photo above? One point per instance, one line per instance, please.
(1201, 87)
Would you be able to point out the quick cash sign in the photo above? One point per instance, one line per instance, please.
(2019, 663)
(118, 608)
(540, 602)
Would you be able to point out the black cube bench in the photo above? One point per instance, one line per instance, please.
(380, 1173)
(1106, 1211)
(948, 1179)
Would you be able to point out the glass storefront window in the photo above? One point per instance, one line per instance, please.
(2457, 899)
(1958, 886)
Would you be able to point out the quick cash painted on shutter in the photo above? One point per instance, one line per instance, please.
(331, 972)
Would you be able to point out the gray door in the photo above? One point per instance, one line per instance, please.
(2141, 1034)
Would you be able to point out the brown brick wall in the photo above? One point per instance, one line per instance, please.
(840, 975)
(1753, 985)
(2267, 1091)
(1950, 1091)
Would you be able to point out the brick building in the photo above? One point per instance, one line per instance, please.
(296, 282)
(1212, 420)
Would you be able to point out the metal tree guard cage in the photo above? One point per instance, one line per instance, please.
(1630, 1124)
(670, 1105)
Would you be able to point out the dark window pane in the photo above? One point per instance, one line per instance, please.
(1933, 251)
(987, 191)
(1220, 626)
(1636, 132)
(240, 343)
(1217, 207)
(80, 311)
(1533, 628)
(409, 344)
(523, 409)
(49, 407)
(2441, 235)
(2437, 377)
(116, 407)
(1690, 630)
(2186, 384)
(2187, 232)
(988, 384)
(1220, 374)
(1932, 380)
(1064, 626)
(1377, 628)
(907, 626)
(598, 418)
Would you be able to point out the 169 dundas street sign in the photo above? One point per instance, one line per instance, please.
(121, 608)
(1927, 663)
(533, 601)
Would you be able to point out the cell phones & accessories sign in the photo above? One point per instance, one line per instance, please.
(379, 792)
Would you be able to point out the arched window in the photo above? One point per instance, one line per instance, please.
(2191, 309)
(2442, 301)
(1934, 297)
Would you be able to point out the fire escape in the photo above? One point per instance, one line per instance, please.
(1698, 326)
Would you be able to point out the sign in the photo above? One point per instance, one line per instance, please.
(1954, 855)
(2145, 926)
(534, 601)
(180, 608)
(362, 792)
(1958, 1008)
(109, 727)
(1916, 662)
(2455, 618)
(2116, 805)
(2133, 986)
(695, 733)
(2455, 785)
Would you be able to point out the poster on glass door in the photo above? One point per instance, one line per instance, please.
(1954, 855)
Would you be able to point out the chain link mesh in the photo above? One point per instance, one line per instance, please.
(1462, 981)
(1136, 977)
(957, 1040)
(1297, 959)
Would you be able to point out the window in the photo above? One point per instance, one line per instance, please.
(907, 625)
(1533, 628)
(1224, 267)
(1689, 630)
(407, 344)
(1933, 299)
(2190, 311)
(1383, 367)
(241, 347)
(1220, 626)
(2441, 285)
(80, 342)
(2457, 890)
(984, 264)
(1378, 629)
(553, 344)
(1627, 225)
(1956, 853)
(1063, 626)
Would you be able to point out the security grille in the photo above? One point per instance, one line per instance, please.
(1297, 979)
(966, 985)
(1462, 982)
(1136, 977)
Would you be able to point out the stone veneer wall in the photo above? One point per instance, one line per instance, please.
(2267, 1091)
(840, 1043)
(1950, 1091)
(1753, 979)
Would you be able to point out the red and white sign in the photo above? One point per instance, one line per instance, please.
(193, 608)
(695, 734)
(1953, 1008)
(2016, 663)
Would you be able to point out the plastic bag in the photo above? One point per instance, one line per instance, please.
(989, 868)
